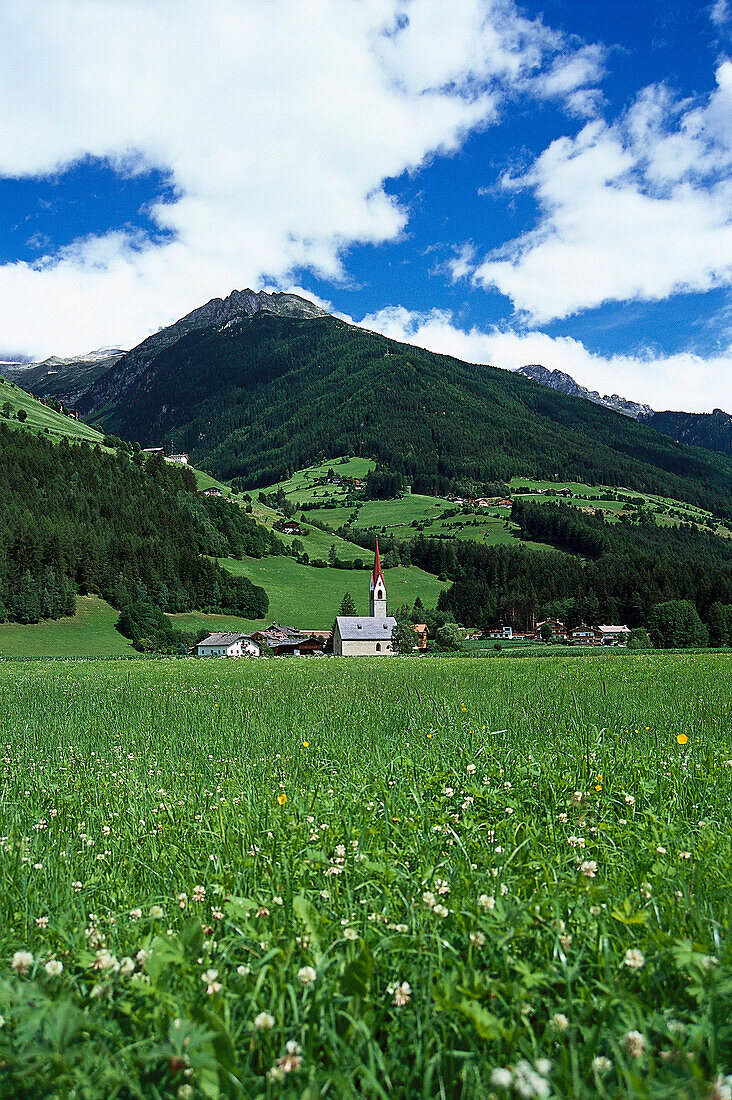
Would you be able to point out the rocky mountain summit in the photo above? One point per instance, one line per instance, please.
(64, 379)
(214, 315)
(558, 380)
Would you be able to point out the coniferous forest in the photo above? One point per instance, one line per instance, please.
(76, 519)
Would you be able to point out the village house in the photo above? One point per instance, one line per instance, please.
(614, 635)
(420, 630)
(286, 641)
(227, 645)
(558, 629)
(291, 527)
(503, 632)
(178, 460)
(585, 635)
(154, 451)
(212, 492)
(367, 635)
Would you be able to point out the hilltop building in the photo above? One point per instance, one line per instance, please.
(367, 635)
(227, 645)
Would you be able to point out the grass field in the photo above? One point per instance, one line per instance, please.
(307, 597)
(42, 419)
(90, 632)
(453, 879)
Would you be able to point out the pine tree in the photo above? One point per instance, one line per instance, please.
(348, 607)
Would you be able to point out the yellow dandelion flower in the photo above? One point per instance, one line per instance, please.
(282, 798)
(598, 787)
(306, 744)
(429, 734)
(682, 739)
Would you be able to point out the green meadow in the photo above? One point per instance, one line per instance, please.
(39, 418)
(453, 878)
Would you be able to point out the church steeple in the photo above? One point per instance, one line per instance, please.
(377, 589)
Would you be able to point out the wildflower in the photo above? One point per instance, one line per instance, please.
(634, 1043)
(676, 1028)
(2, 1021)
(602, 1064)
(306, 744)
(429, 899)
(199, 893)
(350, 934)
(400, 993)
(441, 886)
(307, 975)
(156, 912)
(209, 977)
(105, 960)
(646, 890)
(486, 902)
(292, 1059)
(471, 769)
(22, 962)
(77, 886)
(684, 855)
(682, 739)
(243, 971)
(127, 966)
(54, 967)
(185, 1092)
(440, 911)
(588, 868)
(42, 922)
(501, 1078)
(559, 1021)
(630, 800)
(477, 938)
(661, 851)
(282, 798)
(634, 959)
(595, 910)
(264, 1021)
(135, 913)
(576, 841)
(503, 890)
(709, 961)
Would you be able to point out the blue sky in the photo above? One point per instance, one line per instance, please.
(540, 182)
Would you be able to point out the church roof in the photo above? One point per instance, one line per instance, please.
(353, 628)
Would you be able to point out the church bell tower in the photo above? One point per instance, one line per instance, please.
(377, 589)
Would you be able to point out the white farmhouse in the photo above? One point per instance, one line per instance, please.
(367, 635)
(227, 645)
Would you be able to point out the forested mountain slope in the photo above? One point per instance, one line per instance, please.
(258, 398)
(76, 519)
(711, 430)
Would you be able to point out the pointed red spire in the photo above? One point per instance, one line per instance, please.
(377, 564)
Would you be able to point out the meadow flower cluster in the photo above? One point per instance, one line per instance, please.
(387, 929)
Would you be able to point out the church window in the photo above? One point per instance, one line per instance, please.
(378, 647)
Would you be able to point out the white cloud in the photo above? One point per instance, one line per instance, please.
(277, 120)
(683, 381)
(641, 209)
(720, 12)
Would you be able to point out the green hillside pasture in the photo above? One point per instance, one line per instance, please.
(42, 419)
(309, 598)
(300, 486)
(367, 880)
(89, 633)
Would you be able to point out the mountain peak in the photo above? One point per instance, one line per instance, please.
(558, 380)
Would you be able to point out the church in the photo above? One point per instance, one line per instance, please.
(367, 635)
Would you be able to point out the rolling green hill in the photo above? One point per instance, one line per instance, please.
(39, 418)
(261, 396)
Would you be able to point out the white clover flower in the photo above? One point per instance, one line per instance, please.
(634, 959)
(634, 1044)
(22, 962)
(400, 993)
(135, 913)
(588, 868)
(127, 966)
(485, 901)
(264, 1021)
(156, 912)
(243, 970)
(602, 1064)
(441, 911)
(503, 890)
(350, 934)
(212, 986)
(77, 886)
(54, 967)
(429, 899)
(42, 922)
(501, 1078)
(576, 841)
(477, 938)
(559, 1021)
(471, 769)
(441, 886)
(307, 975)
(630, 800)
